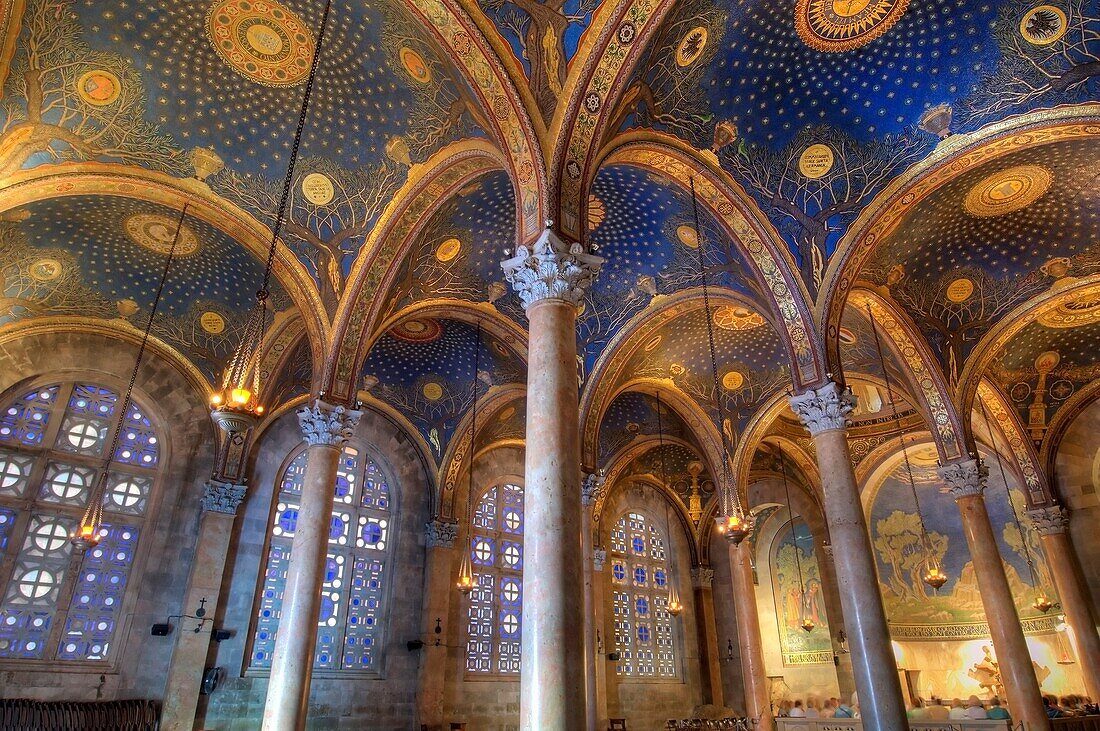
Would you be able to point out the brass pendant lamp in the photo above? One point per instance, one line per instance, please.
(465, 583)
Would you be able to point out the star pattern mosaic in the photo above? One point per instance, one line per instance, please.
(634, 414)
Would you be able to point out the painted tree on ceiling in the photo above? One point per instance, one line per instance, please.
(68, 102)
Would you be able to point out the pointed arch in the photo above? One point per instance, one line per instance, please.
(1028, 464)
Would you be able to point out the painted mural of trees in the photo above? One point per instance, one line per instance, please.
(812, 211)
(1034, 69)
(540, 28)
(69, 102)
(669, 94)
(327, 235)
(899, 545)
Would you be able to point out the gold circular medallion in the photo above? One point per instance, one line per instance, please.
(960, 290)
(688, 236)
(652, 344)
(507, 413)
(815, 161)
(448, 250)
(691, 46)
(318, 189)
(98, 88)
(1081, 311)
(262, 40)
(834, 26)
(156, 232)
(212, 322)
(732, 381)
(45, 270)
(415, 64)
(735, 317)
(1043, 25)
(1008, 191)
(847, 337)
(1048, 361)
(432, 391)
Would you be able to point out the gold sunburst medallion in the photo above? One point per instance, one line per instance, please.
(834, 26)
(262, 40)
(156, 233)
(1008, 190)
(1083, 310)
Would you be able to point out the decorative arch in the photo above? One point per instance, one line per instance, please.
(772, 267)
(922, 370)
(492, 321)
(1059, 425)
(1025, 460)
(601, 388)
(617, 37)
(952, 158)
(507, 110)
(679, 510)
(883, 458)
(94, 178)
(428, 186)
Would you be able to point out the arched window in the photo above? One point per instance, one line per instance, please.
(496, 603)
(639, 584)
(349, 632)
(58, 604)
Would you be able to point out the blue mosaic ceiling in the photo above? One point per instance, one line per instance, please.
(633, 415)
(101, 257)
(424, 369)
(739, 80)
(229, 76)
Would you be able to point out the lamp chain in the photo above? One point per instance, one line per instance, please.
(790, 510)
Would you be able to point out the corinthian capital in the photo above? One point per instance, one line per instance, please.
(590, 490)
(823, 409)
(551, 269)
(440, 533)
(325, 424)
(222, 497)
(964, 479)
(1049, 521)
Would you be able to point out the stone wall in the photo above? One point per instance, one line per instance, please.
(1076, 477)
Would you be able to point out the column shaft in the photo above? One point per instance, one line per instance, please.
(181, 696)
(599, 594)
(292, 662)
(753, 672)
(552, 674)
(845, 677)
(882, 705)
(1062, 560)
(708, 645)
(438, 589)
(589, 623)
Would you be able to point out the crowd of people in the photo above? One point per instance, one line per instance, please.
(936, 709)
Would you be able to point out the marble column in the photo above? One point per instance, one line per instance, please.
(599, 596)
(325, 429)
(550, 278)
(439, 540)
(845, 678)
(753, 672)
(1052, 525)
(966, 482)
(824, 411)
(593, 482)
(219, 510)
(701, 579)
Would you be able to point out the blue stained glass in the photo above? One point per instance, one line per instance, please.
(26, 419)
(328, 608)
(336, 529)
(138, 443)
(618, 571)
(7, 520)
(288, 521)
(372, 533)
(23, 633)
(638, 545)
(332, 569)
(93, 401)
(295, 473)
(643, 633)
(660, 578)
(641, 605)
(343, 487)
(639, 575)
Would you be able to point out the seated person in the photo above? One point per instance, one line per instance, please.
(975, 711)
(937, 711)
(958, 710)
(916, 710)
(797, 711)
(997, 712)
(848, 711)
(1050, 705)
(812, 710)
(829, 709)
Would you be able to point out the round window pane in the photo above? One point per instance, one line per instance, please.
(126, 494)
(483, 551)
(511, 555)
(10, 472)
(50, 536)
(36, 583)
(83, 434)
(67, 484)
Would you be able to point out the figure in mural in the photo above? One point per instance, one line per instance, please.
(540, 29)
(68, 102)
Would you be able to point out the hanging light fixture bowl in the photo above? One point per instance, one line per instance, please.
(234, 421)
(808, 625)
(1043, 603)
(734, 527)
(934, 577)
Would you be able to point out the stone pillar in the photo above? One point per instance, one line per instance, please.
(599, 595)
(1052, 524)
(550, 278)
(824, 412)
(845, 677)
(219, 509)
(325, 429)
(966, 482)
(701, 579)
(753, 672)
(593, 482)
(439, 540)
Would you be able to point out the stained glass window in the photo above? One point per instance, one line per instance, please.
(53, 441)
(494, 617)
(639, 599)
(349, 632)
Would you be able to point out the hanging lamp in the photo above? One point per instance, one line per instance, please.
(236, 406)
(465, 581)
(807, 623)
(1043, 603)
(89, 531)
(674, 606)
(732, 522)
(933, 574)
